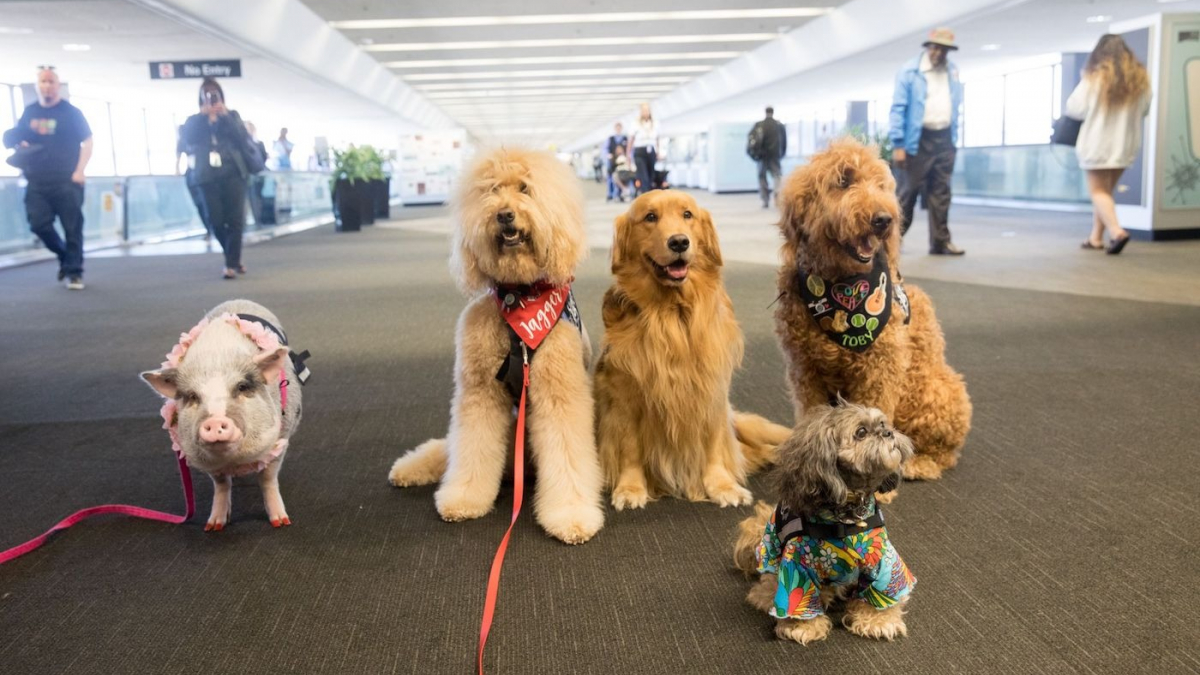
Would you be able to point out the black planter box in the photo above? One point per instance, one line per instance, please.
(347, 205)
(366, 202)
(383, 207)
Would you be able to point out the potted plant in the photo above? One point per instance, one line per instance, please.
(881, 141)
(347, 184)
(380, 182)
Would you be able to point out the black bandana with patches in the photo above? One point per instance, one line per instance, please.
(853, 311)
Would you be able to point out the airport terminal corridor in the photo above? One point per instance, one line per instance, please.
(1061, 544)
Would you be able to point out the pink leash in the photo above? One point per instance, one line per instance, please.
(136, 511)
(185, 476)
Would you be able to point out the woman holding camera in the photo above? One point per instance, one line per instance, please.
(1112, 99)
(216, 141)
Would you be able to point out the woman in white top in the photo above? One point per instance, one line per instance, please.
(643, 146)
(1112, 99)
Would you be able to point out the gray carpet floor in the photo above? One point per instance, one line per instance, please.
(1063, 543)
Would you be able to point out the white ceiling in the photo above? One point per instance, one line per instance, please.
(1015, 32)
(545, 81)
(124, 37)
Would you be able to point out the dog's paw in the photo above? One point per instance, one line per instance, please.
(215, 523)
(630, 497)
(878, 624)
(453, 505)
(572, 524)
(423, 465)
(804, 632)
(762, 593)
(922, 467)
(886, 497)
(729, 494)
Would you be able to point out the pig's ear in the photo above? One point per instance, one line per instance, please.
(162, 381)
(270, 364)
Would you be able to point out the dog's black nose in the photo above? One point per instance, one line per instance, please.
(881, 221)
(506, 218)
(678, 243)
(887, 433)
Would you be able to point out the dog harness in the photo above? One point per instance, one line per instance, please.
(805, 552)
(853, 311)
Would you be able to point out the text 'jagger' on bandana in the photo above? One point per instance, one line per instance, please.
(532, 311)
(852, 311)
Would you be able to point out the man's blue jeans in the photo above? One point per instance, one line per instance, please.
(64, 199)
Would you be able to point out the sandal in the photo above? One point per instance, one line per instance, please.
(228, 274)
(1115, 246)
(241, 269)
(1087, 245)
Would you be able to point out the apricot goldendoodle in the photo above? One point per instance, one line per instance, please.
(846, 323)
(671, 344)
(518, 228)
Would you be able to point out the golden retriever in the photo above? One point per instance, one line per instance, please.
(518, 220)
(671, 344)
(840, 224)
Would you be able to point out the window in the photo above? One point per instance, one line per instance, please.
(129, 140)
(983, 112)
(162, 136)
(1028, 106)
(96, 113)
(8, 120)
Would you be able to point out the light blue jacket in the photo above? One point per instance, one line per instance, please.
(908, 105)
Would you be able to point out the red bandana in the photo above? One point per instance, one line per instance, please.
(532, 311)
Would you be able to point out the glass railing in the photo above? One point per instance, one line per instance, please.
(1036, 173)
(141, 209)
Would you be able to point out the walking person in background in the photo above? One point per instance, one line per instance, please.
(769, 142)
(58, 144)
(1112, 99)
(924, 133)
(215, 138)
(643, 146)
(616, 143)
(283, 151)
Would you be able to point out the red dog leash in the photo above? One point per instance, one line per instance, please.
(136, 511)
(493, 587)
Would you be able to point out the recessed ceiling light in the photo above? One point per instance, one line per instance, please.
(989, 48)
(1099, 18)
(72, 47)
(607, 17)
(587, 58)
(366, 41)
(12, 30)
(558, 72)
(570, 42)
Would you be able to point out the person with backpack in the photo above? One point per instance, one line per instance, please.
(767, 144)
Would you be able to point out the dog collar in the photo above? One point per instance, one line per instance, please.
(824, 525)
(853, 311)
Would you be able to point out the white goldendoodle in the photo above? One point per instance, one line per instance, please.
(518, 223)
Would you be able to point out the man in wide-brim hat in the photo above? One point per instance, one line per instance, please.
(924, 133)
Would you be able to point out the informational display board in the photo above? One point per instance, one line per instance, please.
(730, 168)
(428, 165)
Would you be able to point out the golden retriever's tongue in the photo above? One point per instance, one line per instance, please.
(677, 269)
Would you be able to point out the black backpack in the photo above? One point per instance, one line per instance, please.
(754, 142)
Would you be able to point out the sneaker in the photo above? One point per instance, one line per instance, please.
(948, 249)
(228, 273)
(61, 275)
(75, 284)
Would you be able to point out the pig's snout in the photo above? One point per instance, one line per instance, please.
(219, 429)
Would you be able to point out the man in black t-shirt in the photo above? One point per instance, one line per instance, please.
(58, 144)
(772, 146)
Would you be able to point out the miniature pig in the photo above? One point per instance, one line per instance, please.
(233, 402)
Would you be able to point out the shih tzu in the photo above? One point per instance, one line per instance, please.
(826, 541)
